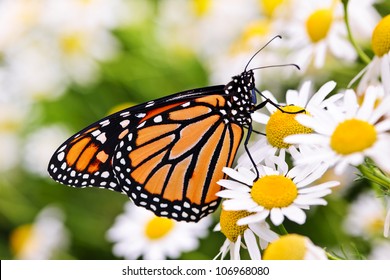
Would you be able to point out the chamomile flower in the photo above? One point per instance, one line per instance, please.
(277, 193)
(366, 216)
(278, 124)
(238, 235)
(138, 232)
(346, 133)
(317, 31)
(379, 68)
(42, 239)
(294, 247)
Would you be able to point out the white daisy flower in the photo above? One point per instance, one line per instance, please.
(278, 125)
(238, 236)
(379, 68)
(366, 216)
(43, 239)
(138, 232)
(347, 133)
(317, 31)
(294, 247)
(277, 193)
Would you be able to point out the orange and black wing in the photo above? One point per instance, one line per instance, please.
(166, 155)
(172, 161)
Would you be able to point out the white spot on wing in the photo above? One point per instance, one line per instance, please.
(157, 119)
(102, 138)
(124, 123)
(61, 156)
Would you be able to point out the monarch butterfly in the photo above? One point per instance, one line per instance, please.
(166, 155)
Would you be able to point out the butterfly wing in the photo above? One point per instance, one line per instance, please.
(165, 154)
(171, 163)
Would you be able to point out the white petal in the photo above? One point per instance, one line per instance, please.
(233, 185)
(260, 117)
(306, 200)
(261, 216)
(263, 231)
(320, 54)
(251, 244)
(292, 97)
(321, 94)
(235, 251)
(307, 139)
(351, 104)
(383, 126)
(237, 176)
(276, 216)
(367, 107)
(239, 204)
(379, 111)
(295, 214)
(385, 72)
(233, 194)
(323, 186)
(247, 173)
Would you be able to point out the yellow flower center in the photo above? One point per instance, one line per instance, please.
(250, 36)
(287, 247)
(269, 6)
(318, 24)
(158, 227)
(201, 7)
(281, 124)
(381, 37)
(274, 191)
(353, 136)
(375, 226)
(229, 227)
(20, 239)
(72, 43)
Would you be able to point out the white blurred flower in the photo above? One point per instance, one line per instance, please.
(39, 147)
(138, 232)
(48, 44)
(42, 239)
(317, 31)
(366, 216)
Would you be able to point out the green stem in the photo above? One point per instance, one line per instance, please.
(282, 230)
(359, 51)
(374, 174)
(332, 257)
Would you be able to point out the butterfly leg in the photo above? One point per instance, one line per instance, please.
(248, 135)
(277, 106)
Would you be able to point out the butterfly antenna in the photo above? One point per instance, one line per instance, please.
(276, 65)
(253, 56)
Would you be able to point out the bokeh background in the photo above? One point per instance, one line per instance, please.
(67, 63)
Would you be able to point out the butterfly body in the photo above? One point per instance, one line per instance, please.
(166, 155)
